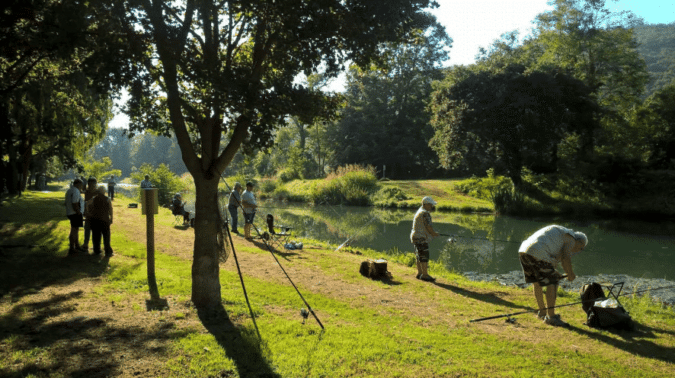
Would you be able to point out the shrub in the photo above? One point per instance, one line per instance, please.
(162, 178)
(351, 185)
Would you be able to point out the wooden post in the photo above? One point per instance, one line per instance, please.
(150, 209)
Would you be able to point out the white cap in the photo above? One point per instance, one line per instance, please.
(429, 200)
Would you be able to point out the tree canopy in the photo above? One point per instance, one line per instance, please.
(507, 120)
(221, 75)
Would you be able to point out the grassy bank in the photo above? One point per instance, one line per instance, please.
(646, 194)
(85, 316)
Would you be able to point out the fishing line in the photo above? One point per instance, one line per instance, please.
(279, 263)
(472, 237)
(565, 305)
(241, 278)
(356, 234)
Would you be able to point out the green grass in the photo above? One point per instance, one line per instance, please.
(360, 340)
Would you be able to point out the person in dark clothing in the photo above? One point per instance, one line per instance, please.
(111, 187)
(233, 205)
(179, 208)
(101, 214)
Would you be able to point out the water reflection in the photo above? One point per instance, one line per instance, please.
(485, 243)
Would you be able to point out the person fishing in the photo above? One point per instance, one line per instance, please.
(539, 255)
(420, 236)
(249, 207)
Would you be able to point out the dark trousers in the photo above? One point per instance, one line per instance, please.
(111, 192)
(233, 214)
(98, 228)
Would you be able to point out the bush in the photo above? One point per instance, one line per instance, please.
(350, 185)
(162, 178)
(484, 188)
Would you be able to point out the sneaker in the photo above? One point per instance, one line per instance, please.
(419, 276)
(83, 248)
(72, 251)
(541, 314)
(428, 278)
(235, 231)
(97, 252)
(555, 321)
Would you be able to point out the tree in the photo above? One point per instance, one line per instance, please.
(51, 50)
(99, 169)
(585, 39)
(385, 121)
(220, 74)
(516, 118)
(117, 146)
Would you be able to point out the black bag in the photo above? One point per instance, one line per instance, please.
(603, 312)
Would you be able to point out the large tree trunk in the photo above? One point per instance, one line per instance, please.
(205, 269)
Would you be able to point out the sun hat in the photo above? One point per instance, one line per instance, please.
(428, 200)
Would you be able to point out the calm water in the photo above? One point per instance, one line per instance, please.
(486, 243)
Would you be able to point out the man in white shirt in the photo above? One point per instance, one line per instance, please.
(146, 184)
(74, 207)
(249, 204)
(539, 256)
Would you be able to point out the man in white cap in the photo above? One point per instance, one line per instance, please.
(539, 254)
(420, 236)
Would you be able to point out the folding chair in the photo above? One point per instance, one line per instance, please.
(280, 239)
(177, 218)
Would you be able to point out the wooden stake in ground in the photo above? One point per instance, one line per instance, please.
(150, 209)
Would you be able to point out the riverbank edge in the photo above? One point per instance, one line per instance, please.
(630, 284)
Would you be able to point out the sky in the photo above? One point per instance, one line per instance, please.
(477, 23)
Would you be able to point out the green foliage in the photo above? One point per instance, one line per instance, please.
(656, 43)
(507, 120)
(162, 178)
(485, 187)
(385, 121)
(100, 169)
(349, 185)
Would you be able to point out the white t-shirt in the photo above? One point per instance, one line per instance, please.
(73, 196)
(250, 198)
(546, 244)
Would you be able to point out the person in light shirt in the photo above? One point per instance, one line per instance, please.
(249, 204)
(420, 236)
(540, 254)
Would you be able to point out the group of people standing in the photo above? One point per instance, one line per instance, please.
(94, 212)
(539, 256)
(245, 200)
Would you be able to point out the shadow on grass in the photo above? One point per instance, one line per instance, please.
(634, 341)
(491, 297)
(244, 348)
(262, 245)
(31, 255)
(77, 346)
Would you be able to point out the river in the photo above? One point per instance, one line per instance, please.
(485, 243)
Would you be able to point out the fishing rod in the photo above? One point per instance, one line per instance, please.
(241, 278)
(278, 262)
(565, 305)
(356, 234)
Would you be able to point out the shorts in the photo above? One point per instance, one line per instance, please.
(538, 271)
(75, 220)
(421, 250)
(248, 218)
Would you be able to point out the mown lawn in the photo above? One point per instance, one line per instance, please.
(64, 317)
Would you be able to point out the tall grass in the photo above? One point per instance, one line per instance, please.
(349, 185)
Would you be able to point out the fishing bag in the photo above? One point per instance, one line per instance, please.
(603, 312)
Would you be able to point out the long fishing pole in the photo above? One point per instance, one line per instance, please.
(278, 262)
(356, 234)
(565, 305)
(488, 239)
(241, 278)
